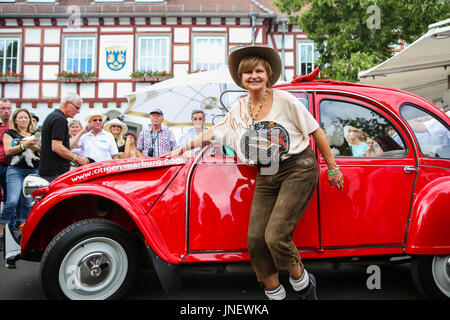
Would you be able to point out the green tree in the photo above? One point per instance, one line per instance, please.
(354, 35)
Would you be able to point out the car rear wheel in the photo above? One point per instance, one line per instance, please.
(90, 259)
(431, 275)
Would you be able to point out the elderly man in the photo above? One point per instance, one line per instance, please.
(98, 144)
(198, 121)
(55, 142)
(155, 141)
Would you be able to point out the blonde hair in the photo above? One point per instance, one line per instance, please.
(249, 63)
(120, 139)
(30, 127)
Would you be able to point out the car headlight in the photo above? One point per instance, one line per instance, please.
(31, 183)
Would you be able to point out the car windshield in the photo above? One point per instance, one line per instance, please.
(432, 135)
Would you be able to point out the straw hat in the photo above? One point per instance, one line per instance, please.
(95, 113)
(115, 122)
(264, 52)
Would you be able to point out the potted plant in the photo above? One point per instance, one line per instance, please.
(10, 76)
(73, 76)
(151, 76)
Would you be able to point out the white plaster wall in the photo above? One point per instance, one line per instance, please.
(31, 72)
(123, 88)
(180, 69)
(30, 90)
(181, 35)
(52, 36)
(106, 90)
(51, 54)
(32, 36)
(50, 72)
(32, 54)
(240, 35)
(87, 90)
(12, 90)
(50, 90)
(181, 53)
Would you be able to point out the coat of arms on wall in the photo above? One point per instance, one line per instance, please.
(116, 58)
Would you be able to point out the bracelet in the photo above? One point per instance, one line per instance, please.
(23, 148)
(74, 157)
(331, 172)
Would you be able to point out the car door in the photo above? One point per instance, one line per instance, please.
(373, 208)
(221, 192)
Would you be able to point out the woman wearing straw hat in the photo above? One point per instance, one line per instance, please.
(118, 130)
(271, 128)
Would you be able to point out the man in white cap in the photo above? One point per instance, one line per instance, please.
(155, 141)
(55, 141)
(98, 144)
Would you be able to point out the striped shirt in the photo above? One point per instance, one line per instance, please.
(162, 142)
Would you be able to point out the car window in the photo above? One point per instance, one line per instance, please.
(432, 135)
(353, 130)
(303, 97)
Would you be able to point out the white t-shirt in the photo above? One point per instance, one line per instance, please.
(287, 116)
(98, 147)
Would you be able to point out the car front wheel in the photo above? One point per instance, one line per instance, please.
(90, 259)
(431, 275)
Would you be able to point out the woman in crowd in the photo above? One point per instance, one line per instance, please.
(130, 146)
(76, 130)
(118, 129)
(272, 118)
(22, 150)
(353, 136)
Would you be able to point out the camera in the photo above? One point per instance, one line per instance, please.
(150, 152)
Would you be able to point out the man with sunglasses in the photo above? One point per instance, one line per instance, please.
(98, 144)
(198, 121)
(55, 142)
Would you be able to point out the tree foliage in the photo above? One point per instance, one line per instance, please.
(354, 35)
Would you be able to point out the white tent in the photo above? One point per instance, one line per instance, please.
(179, 96)
(423, 68)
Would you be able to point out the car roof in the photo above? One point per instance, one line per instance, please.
(388, 96)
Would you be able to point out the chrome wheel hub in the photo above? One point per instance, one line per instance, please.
(93, 269)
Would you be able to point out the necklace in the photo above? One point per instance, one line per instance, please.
(259, 108)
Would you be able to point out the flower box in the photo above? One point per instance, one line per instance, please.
(150, 76)
(77, 80)
(11, 79)
(150, 79)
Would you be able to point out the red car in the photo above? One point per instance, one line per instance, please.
(91, 227)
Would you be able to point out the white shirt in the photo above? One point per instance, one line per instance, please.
(287, 113)
(98, 147)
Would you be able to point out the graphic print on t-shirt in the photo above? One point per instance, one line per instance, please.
(264, 142)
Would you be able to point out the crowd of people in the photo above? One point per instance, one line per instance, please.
(60, 146)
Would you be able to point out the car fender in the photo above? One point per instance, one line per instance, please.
(145, 223)
(430, 219)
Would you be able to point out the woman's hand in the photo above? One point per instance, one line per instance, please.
(30, 143)
(336, 180)
(174, 153)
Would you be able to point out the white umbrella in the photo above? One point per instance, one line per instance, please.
(423, 68)
(179, 96)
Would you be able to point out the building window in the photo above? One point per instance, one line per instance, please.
(79, 54)
(154, 53)
(209, 52)
(307, 55)
(9, 54)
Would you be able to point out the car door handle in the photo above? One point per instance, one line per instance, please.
(410, 169)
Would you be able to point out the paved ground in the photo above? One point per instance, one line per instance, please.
(348, 282)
